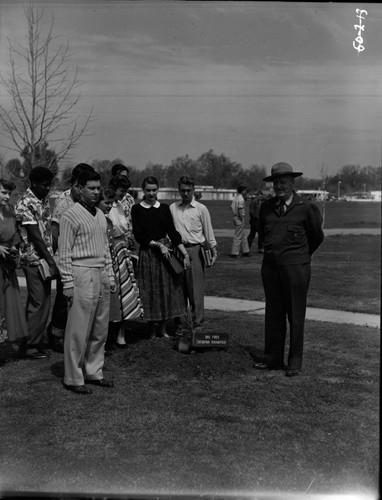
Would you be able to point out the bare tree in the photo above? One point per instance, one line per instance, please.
(44, 93)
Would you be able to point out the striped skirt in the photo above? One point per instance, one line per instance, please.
(161, 290)
(127, 288)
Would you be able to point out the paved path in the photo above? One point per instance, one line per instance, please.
(255, 307)
(328, 232)
(315, 314)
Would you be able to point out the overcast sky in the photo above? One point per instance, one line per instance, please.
(261, 82)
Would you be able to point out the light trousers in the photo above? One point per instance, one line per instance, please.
(87, 326)
(240, 241)
(194, 279)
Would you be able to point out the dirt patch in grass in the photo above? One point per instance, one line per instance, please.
(203, 423)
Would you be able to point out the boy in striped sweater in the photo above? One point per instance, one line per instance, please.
(88, 278)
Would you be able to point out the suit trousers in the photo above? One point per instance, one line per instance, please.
(286, 289)
(194, 280)
(37, 309)
(87, 326)
(240, 241)
(254, 225)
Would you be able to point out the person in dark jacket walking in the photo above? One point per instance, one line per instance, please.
(291, 231)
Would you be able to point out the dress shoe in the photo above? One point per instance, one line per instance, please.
(78, 389)
(45, 352)
(260, 366)
(34, 355)
(234, 256)
(246, 254)
(291, 373)
(57, 345)
(267, 366)
(101, 382)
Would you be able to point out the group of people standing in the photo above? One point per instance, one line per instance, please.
(88, 244)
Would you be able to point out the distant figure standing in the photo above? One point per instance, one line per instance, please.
(291, 230)
(254, 211)
(240, 241)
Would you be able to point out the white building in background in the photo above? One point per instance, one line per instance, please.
(375, 195)
(313, 194)
(207, 192)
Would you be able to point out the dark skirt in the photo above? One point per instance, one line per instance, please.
(161, 290)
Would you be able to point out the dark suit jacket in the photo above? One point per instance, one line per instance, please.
(293, 237)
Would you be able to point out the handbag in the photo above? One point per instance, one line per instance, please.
(207, 256)
(175, 264)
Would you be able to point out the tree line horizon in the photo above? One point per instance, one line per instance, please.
(210, 169)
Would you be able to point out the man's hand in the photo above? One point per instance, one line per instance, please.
(214, 258)
(68, 294)
(113, 287)
(187, 261)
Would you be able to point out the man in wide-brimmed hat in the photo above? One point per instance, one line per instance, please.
(291, 230)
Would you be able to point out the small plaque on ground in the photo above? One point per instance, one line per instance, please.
(201, 339)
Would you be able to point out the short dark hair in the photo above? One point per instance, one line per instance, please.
(107, 192)
(185, 179)
(86, 176)
(118, 168)
(11, 186)
(119, 181)
(150, 180)
(40, 174)
(241, 188)
(78, 169)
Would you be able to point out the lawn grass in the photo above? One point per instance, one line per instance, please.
(204, 423)
(345, 274)
(209, 423)
(337, 214)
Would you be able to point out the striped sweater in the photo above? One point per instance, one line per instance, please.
(83, 241)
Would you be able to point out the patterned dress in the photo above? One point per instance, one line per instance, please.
(12, 316)
(127, 287)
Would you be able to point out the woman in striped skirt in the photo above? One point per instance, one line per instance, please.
(124, 253)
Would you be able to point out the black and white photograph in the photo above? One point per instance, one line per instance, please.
(190, 249)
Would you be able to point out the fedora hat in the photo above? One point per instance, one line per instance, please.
(280, 169)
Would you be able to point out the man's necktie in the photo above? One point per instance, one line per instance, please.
(281, 208)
